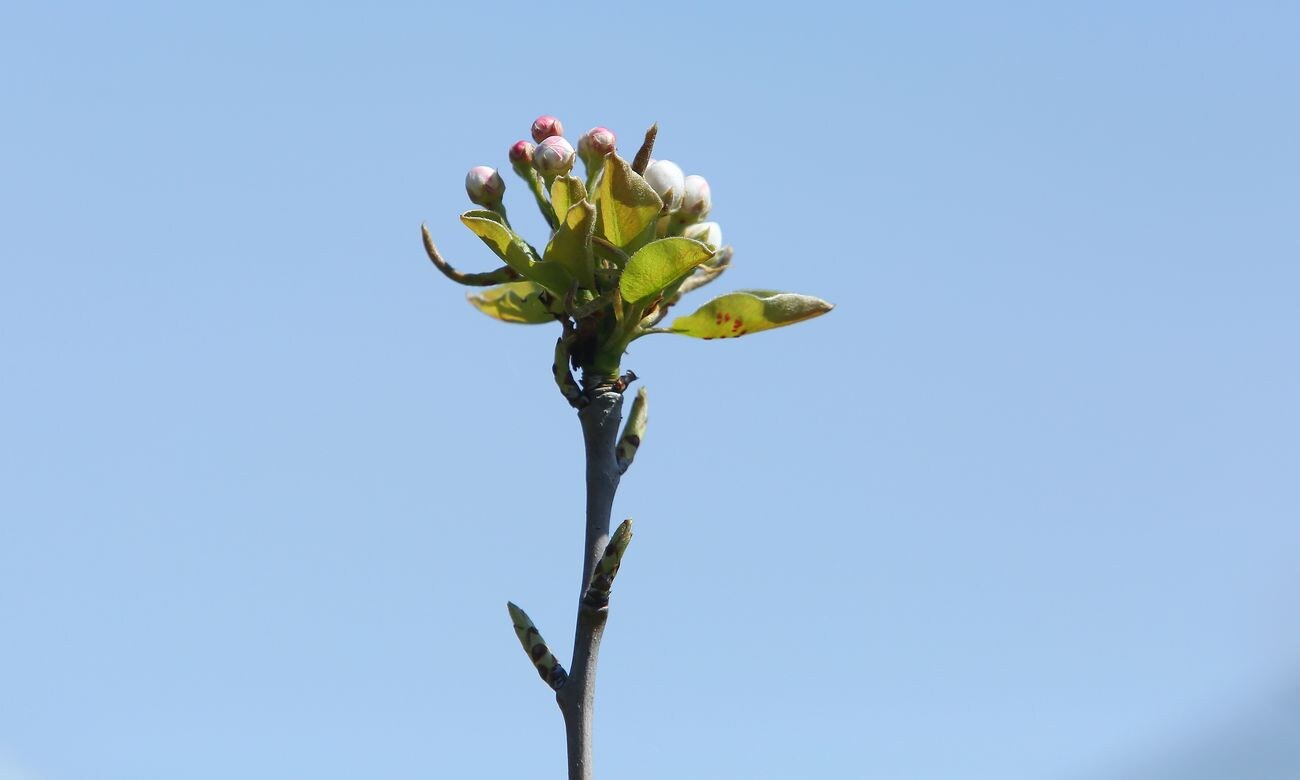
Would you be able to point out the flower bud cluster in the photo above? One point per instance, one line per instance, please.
(687, 200)
(687, 197)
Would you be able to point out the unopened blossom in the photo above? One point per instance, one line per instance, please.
(596, 144)
(697, 201)
(521, 153)
(521, 159)
(666, 179)
(707, 233)
(553, 156)
(546, 126)
(484, 186)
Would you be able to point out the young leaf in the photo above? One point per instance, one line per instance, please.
(627, 203)
(519, 302)
(570, 247)
(485, 214)
(566, 191)
(515, 252)
(659, 264)
(748, 311)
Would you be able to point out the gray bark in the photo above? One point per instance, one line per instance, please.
(600, 429)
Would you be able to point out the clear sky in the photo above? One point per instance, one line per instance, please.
(1025, 506)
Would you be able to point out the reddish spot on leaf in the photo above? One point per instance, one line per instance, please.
(726, 316)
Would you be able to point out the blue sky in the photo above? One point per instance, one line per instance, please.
(1023, 506)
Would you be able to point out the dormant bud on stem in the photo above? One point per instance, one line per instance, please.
(485, 186)
(546, 126)
(666, 179)
(697, 201)
(553, 157)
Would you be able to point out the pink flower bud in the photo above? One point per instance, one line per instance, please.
(708, 233)
(665, 178)
(484, 185)
(546, 126)
(521, 153)
(554, 156)
(697, 201)
(596, 143)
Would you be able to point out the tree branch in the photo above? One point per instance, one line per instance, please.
(599, 419)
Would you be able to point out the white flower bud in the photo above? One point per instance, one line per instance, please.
(665, 178)
(697, 202)
(707, 233)
(553, 156)
(485, 186)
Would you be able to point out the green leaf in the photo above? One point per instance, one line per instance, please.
(519, 302)
(657, 265)
(515, 251)
(749, 311)
(627, 203)
(570, 247)
(485, 214)
(565, 192)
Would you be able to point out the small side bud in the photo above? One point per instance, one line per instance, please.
(521, 154)
(553, 157)
(546, 126)
(595, 145)
(697, 201)
(484, 186)
(707, 233)
(633, 433)
(666, 179)
(596, 596)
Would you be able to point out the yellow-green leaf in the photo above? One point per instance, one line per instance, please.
(566, 191)
(514, 302)
(626, 202)
(570, 247)
(749, 311)
(515, 252)
(657, 265)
